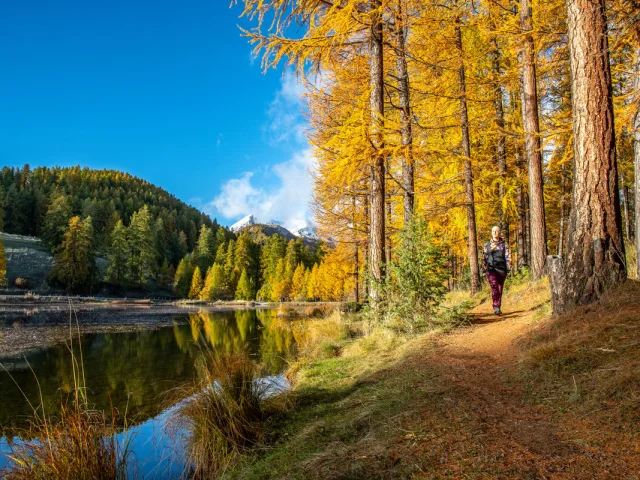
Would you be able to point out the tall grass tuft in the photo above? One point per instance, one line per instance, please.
(78, 443)
(223, 414)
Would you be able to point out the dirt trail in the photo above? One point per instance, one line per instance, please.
(495, 429)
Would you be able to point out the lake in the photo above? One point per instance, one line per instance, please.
(136, 372)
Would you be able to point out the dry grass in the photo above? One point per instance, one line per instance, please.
(223, 414)
(591, 356)
(80, 443)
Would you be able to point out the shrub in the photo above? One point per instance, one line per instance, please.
(417, 279)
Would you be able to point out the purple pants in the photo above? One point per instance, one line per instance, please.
(496, 280)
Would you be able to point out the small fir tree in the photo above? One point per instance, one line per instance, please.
(215, 285)
(74, 267)
(183, 277)
(245, 290)
(118, 255)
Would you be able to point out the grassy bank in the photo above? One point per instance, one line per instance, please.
(374, 403)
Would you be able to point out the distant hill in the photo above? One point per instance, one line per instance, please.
(39, 202)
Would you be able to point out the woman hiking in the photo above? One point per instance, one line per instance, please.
(496, 265)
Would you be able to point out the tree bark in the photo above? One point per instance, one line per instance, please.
(522, 214)
(527, 230)
(501, 146)
(356, 259)
(468, 171)
(406, 132)
(531, 124)
(377, 229)
(595, 258)
(636, 158)
(563, 202)
(625, 207)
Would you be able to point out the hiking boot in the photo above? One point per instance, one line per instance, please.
(496, 311)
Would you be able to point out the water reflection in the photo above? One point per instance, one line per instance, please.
(133, 371)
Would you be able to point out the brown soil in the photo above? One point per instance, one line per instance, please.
(473, 413)
(491, 427)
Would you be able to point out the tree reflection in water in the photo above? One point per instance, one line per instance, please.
(133, 370)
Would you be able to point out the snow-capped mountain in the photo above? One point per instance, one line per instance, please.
(250, 223)
(307, 232)
(244, 222)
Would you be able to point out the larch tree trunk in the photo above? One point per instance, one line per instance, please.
(522, 214)
(527, 230)
(501, 145)
(531, 124)
(468, 171)
(406, 131)
(636, 158)
(563, 213)
(377, 228)
(625, 207)
(595, 257)
(356, 259)
(367, 226)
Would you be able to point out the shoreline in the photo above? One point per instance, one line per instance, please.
(28, 325)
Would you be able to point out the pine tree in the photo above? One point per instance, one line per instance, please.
(183, 277)
(118, 256)
(57, 220)
(215, 285)
(74, 267)
(196, 284)
(204, 253)
(245, 289)
(142, 254)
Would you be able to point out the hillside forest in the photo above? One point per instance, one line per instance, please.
(149, 241)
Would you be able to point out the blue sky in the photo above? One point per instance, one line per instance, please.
(165, 90)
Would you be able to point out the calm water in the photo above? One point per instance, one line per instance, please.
(134, 371)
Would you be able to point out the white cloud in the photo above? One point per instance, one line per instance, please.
(286, 124)
(287, 202)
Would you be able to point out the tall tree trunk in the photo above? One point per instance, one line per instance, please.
(636, 158)
(522, 214)
(530, 122)
(468, 172)
(501, 146)
(563, 213)
(388, 230)
(595, 259)
(405, 117)
(365, 257)
(356, 259)
(377, 229)
(527, 230)
(625, 207)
